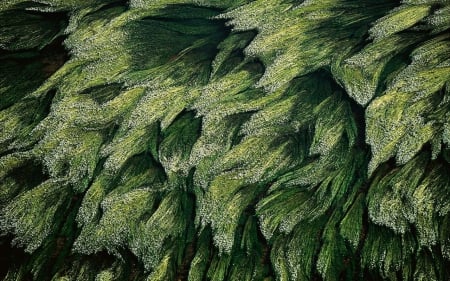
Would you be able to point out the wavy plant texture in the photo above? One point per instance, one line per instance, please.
(224, 140)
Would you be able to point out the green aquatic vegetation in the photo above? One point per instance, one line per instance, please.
(224, 140)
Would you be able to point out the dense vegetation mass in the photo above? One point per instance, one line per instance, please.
(224, 140)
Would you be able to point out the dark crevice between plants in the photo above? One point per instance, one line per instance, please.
(395, 65)
(357, 110)
(45, 106)
(11, 257)
(256, 66)
(237, 57)
(190, 236)
(48, 59)
(358, 252)
(265, 255)
(357, 29)
(239, 119)
(26, 177)
(60, 243)
(53, 56)
(360, 272)
(104, 93)
(186, 128)
(179, 32)
(30, 69)
(48, 25)
(30, 66)
(264, 248)
(358, 114)
(188, 255)
(133, 268)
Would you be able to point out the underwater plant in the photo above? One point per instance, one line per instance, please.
(224, 140)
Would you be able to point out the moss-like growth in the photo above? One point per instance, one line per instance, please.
(224, 140)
